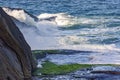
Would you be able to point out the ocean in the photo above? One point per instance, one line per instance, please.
(84, 25)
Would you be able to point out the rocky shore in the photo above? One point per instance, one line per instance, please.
(94, 73)
(53, 71)
(17, 63)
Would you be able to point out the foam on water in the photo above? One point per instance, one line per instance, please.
(51, 37)
(45, 33)
(66, 20)
(20, 15)
(110, 57)
(60, 19)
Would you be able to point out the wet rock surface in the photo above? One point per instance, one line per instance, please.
(88, 74)
(16, 62)
(96, 72)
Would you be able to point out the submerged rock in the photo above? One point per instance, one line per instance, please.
(106, 70)
(87, 74)
(99, 73)
(16, 62)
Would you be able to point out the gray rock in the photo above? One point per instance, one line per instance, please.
(16, 62)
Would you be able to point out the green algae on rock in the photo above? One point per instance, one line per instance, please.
(49, 68)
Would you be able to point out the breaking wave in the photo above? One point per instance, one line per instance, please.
(59, 19)
(43, 31)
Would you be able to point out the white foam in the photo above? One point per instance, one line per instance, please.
(86, 58)
(58, 19)
(87, 47)
(54, 40)
(105, 68)
(66, 20)
(61, 19)
(51, 37)
(20, 15)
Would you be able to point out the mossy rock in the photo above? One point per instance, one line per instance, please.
(50, 68)
(38, 54)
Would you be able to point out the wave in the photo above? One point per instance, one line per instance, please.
(61, 19)
(21, 15)
(66, 20)
(42, 31)
(58, 19)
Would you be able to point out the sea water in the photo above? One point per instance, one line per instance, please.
(86, 25)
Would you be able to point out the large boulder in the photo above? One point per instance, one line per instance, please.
(16, 62)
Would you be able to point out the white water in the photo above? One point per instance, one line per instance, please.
(86, 58)
(49, 36)
(20, 15)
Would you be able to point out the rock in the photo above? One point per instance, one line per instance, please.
(87, 74)
(40, 56)
(16, 62)
(98, 73)
(106, 70)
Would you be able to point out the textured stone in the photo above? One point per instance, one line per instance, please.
(16, 62)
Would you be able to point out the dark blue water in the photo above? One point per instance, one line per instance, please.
(73, 7)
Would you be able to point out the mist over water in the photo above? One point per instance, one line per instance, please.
(80, 25)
